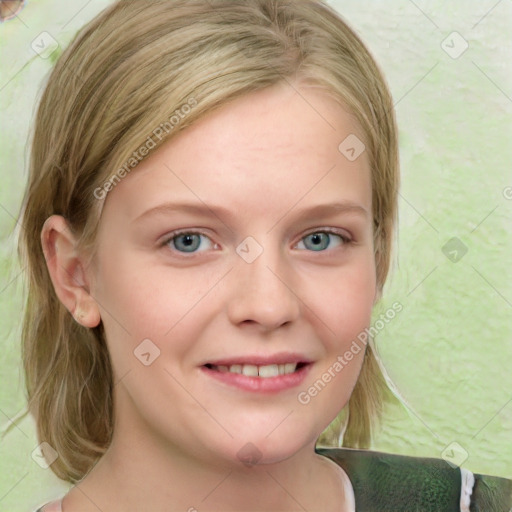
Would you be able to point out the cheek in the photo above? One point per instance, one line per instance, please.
(344, 303)
(343, 309)
(146, 299)
(141, 300)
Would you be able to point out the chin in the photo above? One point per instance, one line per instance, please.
(260, 448)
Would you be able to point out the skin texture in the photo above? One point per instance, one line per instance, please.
(265, 158)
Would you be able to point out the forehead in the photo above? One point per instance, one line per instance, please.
(263, 151)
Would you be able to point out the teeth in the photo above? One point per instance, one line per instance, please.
(266, 371)
(250, 370)
(271, 370)
(290, 367)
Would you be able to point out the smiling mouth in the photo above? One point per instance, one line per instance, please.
(262, 371)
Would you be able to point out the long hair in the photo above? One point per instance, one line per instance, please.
(118, 84)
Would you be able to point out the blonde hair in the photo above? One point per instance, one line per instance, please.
(126, 73)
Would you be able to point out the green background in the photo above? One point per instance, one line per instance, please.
(449, 350)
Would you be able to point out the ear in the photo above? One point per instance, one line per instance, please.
(67, 271)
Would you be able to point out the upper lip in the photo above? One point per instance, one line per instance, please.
(261, 360)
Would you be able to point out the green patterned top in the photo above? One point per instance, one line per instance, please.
(383, 482)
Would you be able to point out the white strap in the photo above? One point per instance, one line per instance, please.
(466, 489)
(53, 506)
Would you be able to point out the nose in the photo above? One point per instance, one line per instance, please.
(262, 292)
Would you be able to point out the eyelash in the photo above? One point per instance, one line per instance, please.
(345, 239)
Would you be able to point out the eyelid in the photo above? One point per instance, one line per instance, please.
(185, 231)
(344, 234)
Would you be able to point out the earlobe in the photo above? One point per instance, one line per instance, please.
(67, 271)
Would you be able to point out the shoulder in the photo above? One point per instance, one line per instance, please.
(396, 483)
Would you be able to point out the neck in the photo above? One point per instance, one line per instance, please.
(142, 472)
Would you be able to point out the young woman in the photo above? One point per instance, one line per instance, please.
(207, 226)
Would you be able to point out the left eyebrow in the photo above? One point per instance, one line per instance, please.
(321, 211)
(326, 210)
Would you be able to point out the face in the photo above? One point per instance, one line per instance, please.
(235, 265)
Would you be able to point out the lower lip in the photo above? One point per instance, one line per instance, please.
(260, 384)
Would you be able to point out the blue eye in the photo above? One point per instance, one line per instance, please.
(192, 242)
(321, 240)
(188, 242)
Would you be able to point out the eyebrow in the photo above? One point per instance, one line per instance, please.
(320, 210)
